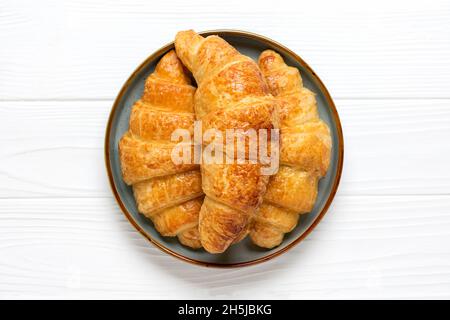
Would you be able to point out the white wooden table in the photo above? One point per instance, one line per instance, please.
(387, 65)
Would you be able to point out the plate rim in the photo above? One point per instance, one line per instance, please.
(335, 115)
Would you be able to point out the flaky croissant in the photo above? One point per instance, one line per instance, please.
(231, 94)
(304, 155)
(169, 194)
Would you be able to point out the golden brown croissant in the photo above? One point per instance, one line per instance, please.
(169, 194)
(304, 155)
(231, 94)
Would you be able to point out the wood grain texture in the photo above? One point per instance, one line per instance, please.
(55, 148)
(366, 247)
(86, 49)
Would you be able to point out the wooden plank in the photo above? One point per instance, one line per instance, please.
(366, 247)
(55, 148)
(87, 49)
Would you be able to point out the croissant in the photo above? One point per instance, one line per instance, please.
(169, 194)
(231, 94)
(304, 154)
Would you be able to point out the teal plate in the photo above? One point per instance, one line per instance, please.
(243, 253)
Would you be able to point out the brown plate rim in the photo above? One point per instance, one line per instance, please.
(335, 185)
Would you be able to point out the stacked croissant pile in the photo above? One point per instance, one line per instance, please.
(214, 205)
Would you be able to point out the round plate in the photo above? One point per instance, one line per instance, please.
(243, 253)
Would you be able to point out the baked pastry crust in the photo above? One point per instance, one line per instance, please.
(304, 155)
(169, 194)
(232, 94)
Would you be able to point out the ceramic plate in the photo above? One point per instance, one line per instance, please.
(243, 253)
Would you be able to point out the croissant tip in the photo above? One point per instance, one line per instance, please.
(189, 32)
(172, 68)
(268, 58)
